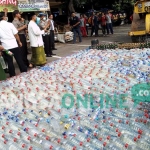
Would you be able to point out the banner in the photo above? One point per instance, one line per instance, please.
(27, 7)
(10, 5)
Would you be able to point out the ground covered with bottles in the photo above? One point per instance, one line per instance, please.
(84, 101)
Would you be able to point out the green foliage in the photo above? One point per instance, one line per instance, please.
(123, 5)
(117, 5)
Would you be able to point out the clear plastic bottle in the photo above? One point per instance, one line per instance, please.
(47, 145)
(3, 62)
(24, 136)
(37, 142)
(32, 131)
(29, 114)
(69, 146)
(43, 125)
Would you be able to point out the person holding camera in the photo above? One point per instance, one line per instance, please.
(46, 37)
(21, 27)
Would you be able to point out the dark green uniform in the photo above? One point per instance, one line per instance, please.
(2, 74)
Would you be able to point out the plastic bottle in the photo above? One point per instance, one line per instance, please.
(47, 145)
(3, 62)
(8, 52)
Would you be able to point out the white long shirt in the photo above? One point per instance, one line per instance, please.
(7, 32)
(35, 34)
(108, 19)
(52, 25)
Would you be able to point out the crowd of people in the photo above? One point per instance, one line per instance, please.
(97, 21)
(101, 20)
(13, 39)
(41, 36)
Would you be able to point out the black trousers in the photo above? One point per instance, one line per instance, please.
(92, 30)
(109, 28)
(96, 30)
(17, 54)
(24, 50)
(52, 40)
(103, 29)
(87, 29)
(47, 44)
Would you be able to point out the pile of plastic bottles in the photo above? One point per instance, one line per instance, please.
(74, 104)
(73, 130)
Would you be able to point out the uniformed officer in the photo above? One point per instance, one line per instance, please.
(21, 27)
(46, 37)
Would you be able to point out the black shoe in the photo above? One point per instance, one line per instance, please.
(48, 55)
(53, 54)
(6, 70)
(54, 49)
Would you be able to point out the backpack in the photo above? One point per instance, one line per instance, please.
(90, 20)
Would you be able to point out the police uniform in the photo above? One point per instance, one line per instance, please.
(24, 51)
(46, 38)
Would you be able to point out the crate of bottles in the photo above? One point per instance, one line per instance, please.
(123, 46)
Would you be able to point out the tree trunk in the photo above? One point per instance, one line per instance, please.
(71, 7)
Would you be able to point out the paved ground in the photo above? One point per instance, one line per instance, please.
(120, 35)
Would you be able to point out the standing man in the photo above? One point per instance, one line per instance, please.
(36, 42)
(46, 37)
(87, 25)
(96, 24)
(91, 22)
(109, 26)
(103, 23)
(19, 24)
(52, 36)
(75, 24)
(8, 37)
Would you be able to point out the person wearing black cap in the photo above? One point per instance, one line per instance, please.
(36, 42)
(46, 37)
(21, 27)
(8, 37)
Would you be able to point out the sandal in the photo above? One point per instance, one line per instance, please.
(30, 66)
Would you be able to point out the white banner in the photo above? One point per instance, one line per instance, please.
(26, 7)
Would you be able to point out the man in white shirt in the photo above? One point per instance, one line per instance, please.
(36, 42)
(109, 26)
(8, 37)
(52, 28)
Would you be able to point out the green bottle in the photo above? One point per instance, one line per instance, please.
(8, 52)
